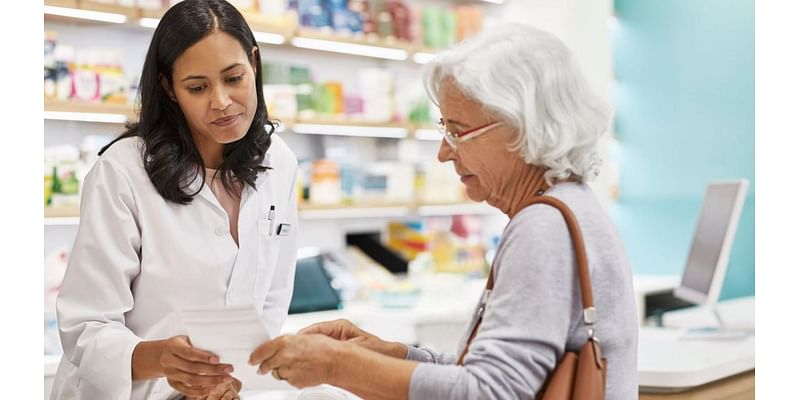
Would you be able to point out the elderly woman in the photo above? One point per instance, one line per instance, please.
(518, 122)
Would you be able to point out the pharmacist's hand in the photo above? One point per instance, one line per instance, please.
(342, 329)
(191, 371)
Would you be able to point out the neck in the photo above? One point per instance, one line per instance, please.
(527, 182)
(210, 151)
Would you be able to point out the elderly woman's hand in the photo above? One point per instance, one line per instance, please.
(302, 360)
(342, 329)
(225, 391)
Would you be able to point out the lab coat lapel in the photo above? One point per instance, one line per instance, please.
(254, 207)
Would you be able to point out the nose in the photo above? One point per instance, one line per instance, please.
(220, 99)
(446, 152)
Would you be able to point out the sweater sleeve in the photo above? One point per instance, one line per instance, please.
(426, 355)
(532, 310)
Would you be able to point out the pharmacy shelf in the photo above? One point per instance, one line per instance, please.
(432, 210)
(61, 221)
(354, 212)
(88, 111)
(119, 114)
(69, 216)
(62, 212)
(270, 31)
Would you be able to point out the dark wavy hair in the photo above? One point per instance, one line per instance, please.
(170, 155)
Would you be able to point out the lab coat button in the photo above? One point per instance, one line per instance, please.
(221, 231)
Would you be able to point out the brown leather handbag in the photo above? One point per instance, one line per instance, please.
(580, 375)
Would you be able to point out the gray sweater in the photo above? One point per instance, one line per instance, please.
(534, 311)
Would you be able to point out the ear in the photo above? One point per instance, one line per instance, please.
(167, 89)
(255, 56)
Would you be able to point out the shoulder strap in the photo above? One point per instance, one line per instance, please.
(578, 245)
(589, 312)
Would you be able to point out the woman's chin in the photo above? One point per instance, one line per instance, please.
(476, 194)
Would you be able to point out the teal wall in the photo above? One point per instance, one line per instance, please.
(684, 100)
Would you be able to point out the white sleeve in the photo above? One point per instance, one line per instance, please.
(96, 292)
(280, 291)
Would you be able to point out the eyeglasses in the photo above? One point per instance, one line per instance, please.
(454, 139)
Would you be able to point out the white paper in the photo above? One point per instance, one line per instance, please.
(322, 392)
(232, 333)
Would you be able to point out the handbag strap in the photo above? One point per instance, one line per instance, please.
(589, 312)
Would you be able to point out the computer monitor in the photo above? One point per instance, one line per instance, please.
(312, 287)
(713, 237)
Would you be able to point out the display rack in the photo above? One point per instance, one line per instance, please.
(266, 31)
(119, 114)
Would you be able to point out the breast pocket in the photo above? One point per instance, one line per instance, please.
(268, 251)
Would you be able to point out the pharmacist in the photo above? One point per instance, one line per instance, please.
(192, 206)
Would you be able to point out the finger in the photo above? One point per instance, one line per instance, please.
(188, 390)
(267, 350)
(185, 350)
(172, 361)
(288, 374)
(337, 328)
(279, 360)
(230, 395)
(199, 380)
(319, 327)
(237, 385)
(216, 393)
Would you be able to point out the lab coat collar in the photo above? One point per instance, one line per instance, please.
(262, 176)
(197, 183)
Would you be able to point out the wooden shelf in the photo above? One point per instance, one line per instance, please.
(88, 112)
(366, 40)
(262, 23)
(61, 212)
(89, 5)
(79, 107)
(62, 3)
(347, 122)
(70, 215)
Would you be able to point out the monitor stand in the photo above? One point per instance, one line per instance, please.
(719, 332)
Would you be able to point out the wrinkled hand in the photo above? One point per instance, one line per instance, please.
(191, 371)
(342, 329)
(302, 360)
(225, 391)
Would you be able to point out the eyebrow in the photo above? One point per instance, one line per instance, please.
(226, 69)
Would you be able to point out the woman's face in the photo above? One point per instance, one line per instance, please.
(483, 163)
(215, 87)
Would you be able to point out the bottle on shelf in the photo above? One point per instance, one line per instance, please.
(64, 71)
(401, 19)
(56, 185)
(50, 65)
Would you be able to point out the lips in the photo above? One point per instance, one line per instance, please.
(465, 178)
(227, 121)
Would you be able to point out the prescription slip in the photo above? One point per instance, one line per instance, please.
(232, 333)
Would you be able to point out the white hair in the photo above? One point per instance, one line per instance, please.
(529, 79)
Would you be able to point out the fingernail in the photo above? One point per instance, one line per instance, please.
(262, 372)
(227, 379)
(228, 369)
(214, 360)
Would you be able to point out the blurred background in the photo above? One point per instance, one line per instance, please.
(383, 223)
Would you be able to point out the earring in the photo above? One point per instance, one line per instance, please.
(173, 98)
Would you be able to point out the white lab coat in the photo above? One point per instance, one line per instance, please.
(138, 258)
